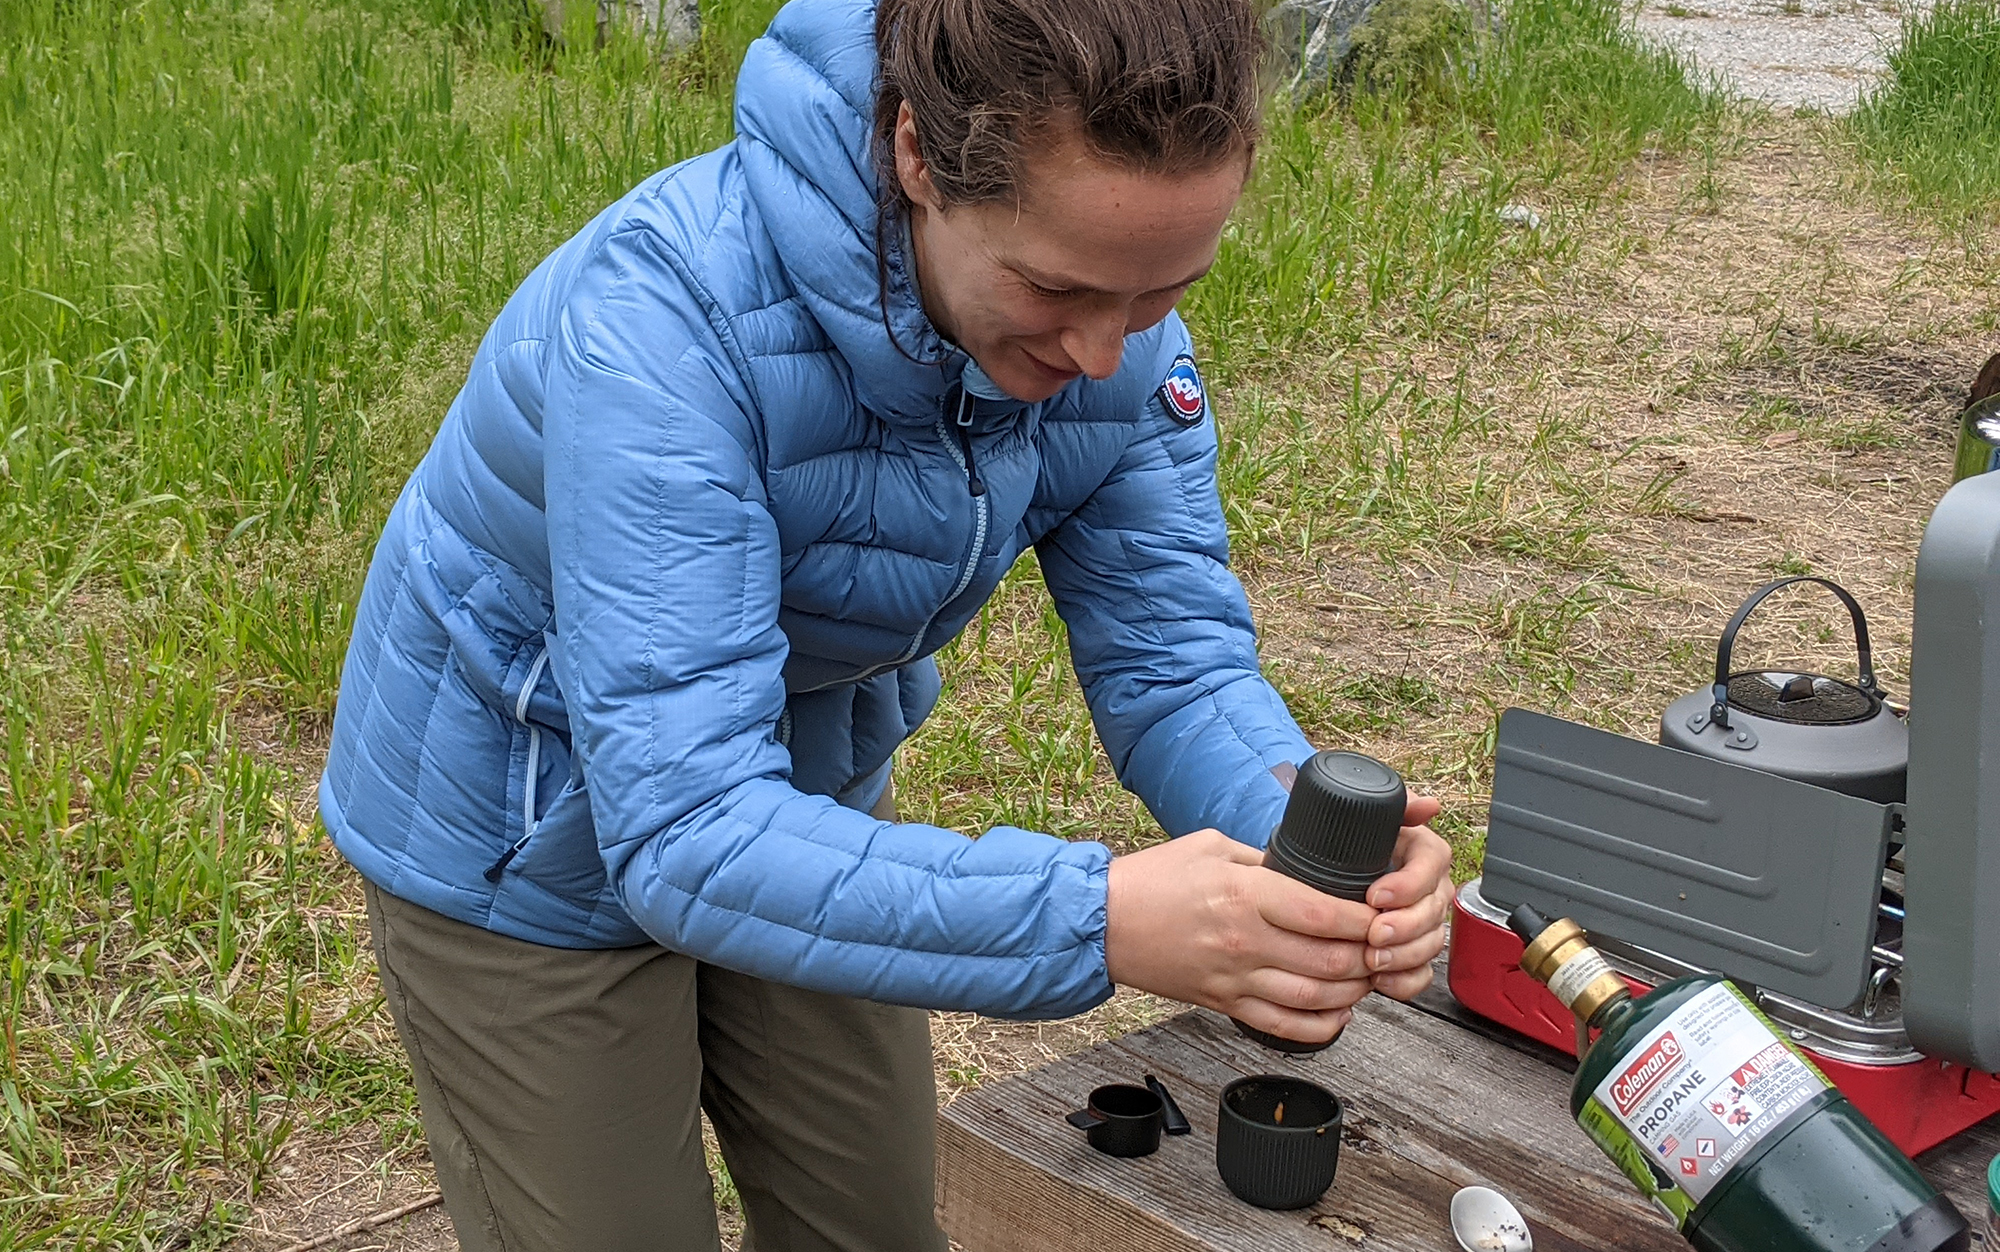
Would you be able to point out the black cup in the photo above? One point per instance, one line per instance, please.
(1277, 1140)
(1121, 1120)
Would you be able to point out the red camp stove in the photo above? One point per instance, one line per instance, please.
(1794, 832)
(1917, 1101)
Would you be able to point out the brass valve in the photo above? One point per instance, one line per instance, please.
(1561, 956)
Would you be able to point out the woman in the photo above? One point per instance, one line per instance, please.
(650, 619)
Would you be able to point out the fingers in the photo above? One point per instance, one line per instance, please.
(1287, 1023)
(1422, 860)
(1399, 926)
(1405, 984)
(1419, 810)
(1328, 960)
(1291, 905)
(1312, 995)
(1416, 953)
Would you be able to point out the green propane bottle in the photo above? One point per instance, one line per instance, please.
(1723, 1123)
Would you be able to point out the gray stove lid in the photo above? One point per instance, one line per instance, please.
(1951, 938)
(1764, 879)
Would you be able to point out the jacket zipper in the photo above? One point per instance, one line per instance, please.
(972, 479)
(981, 516)
(959, 448)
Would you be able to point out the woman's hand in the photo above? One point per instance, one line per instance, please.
(1199, 919)
(1411, 903)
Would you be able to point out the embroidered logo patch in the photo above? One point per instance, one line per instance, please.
(1182, 392)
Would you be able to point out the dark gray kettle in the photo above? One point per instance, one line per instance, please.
(1834, 734)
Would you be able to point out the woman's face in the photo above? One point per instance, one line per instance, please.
(1045, 289)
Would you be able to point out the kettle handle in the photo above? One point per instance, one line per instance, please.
(1719, 711)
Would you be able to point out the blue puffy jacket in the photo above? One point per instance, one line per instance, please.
(655, 610)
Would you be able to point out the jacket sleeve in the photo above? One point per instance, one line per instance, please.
(1161, 636)
(666, 581)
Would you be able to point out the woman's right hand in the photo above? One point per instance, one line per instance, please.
(1199, 919)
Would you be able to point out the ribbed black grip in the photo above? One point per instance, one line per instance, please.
(1340, 827)
(1277, 1165)
(1338, 834)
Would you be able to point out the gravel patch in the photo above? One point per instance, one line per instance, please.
(1820, 54)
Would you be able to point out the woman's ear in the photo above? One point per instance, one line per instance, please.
(911, 169)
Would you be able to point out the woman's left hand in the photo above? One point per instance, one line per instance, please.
(1412, 903)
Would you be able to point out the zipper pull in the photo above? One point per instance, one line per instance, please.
(973, 482)
(499, 867)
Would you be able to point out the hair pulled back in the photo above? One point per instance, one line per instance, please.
(1161, 86)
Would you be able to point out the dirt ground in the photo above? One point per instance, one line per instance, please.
(1792, 362)
(1783, 353)
(1818, 53)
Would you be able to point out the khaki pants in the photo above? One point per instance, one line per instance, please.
(561, 1094)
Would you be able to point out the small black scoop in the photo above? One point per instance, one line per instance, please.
(1121, 1120)
(1173, 1121)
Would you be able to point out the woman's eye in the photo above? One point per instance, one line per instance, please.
(1049, 293)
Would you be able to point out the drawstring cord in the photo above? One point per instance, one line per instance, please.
(499, 867)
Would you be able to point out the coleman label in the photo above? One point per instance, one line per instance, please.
(1568, 982)
(1697, 1093)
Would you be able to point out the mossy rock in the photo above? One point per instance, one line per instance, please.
(1413, 46)
(1408, 46)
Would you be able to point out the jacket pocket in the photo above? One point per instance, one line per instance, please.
(537, 748)
(562, 859)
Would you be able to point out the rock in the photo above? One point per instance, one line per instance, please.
(1987, 383)
(674, 25)
(1519, 215)
(1315, 39)
(1373, 44)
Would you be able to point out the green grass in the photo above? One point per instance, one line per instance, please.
(246, 247)
(1379, 213)
(241, 240)
(1932, 129)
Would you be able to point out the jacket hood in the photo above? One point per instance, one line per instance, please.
(805, 102)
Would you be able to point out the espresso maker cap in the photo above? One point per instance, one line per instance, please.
(1341, 824)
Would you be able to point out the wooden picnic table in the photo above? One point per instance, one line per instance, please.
(1435, 1100)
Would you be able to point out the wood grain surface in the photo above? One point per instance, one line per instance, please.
(1431, 1105)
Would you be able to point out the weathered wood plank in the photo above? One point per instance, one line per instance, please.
(1958, 1167)
(1431, 1107)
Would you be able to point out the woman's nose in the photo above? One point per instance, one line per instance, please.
(1096, 345)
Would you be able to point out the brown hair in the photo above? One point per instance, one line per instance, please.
(1163, 86)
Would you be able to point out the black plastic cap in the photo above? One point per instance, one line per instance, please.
(1277, 1140)
(1340, 827)
(1527, 923)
